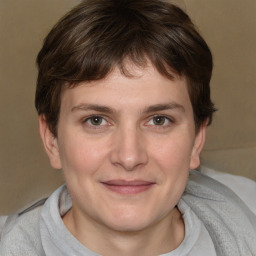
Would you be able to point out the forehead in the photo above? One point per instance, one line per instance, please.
(140, 85)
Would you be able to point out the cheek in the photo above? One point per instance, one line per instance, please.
(174, 152)
(81, 157)
(173, 161)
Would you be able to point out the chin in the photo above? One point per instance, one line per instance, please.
(130, 222)
(129, 227)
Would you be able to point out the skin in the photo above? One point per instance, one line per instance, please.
(126, 146)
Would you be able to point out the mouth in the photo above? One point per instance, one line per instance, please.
(128, 187)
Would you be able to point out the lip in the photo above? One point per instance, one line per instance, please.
(125, 187)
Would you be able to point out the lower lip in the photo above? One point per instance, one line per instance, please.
(128, 189)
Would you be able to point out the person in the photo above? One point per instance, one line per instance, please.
(123, 97)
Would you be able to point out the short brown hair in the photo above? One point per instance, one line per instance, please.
(99, 35)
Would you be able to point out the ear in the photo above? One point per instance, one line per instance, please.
(50, 143)
(198, 146)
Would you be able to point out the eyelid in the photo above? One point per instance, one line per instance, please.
(86, 119)
(170, 120)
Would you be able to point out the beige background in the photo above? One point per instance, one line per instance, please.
(228, 26)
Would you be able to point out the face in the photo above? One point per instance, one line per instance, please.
(126, 146)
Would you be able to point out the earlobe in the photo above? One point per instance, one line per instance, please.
(198, 146)
(50, 143)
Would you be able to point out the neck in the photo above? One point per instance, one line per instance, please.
(162, 237)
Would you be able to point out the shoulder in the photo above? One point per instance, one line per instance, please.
(243, 187)
(21, 233)
(224, 214)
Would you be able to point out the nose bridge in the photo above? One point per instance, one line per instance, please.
(129, 149)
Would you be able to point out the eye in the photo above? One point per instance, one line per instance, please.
(160, 121)
(95, 121)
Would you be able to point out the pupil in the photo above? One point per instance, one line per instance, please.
(159, 120)
(96, 120)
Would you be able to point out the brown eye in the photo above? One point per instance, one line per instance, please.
(96, 120)
(159, 120)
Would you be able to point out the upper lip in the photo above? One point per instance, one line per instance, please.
(128, 182)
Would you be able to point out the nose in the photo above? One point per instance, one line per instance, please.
(129, 149)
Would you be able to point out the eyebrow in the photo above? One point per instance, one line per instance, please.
(167, 106)
(150, 109)
(94, 107)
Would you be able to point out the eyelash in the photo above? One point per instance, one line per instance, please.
(88, 122)
(161, 126)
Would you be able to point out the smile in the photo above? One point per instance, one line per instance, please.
(128, 187)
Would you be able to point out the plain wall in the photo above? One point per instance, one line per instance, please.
(228, 27)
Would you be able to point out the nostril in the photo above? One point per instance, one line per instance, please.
(129, 151)
(129, 159)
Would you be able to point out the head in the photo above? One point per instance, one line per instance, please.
(123, 97)
(98, 36)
